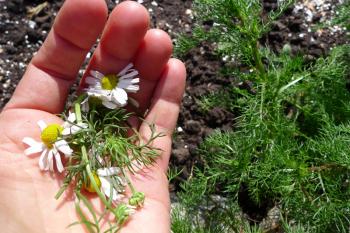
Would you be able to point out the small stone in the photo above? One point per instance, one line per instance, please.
(187, 28)
(154, 3)
(31, 24)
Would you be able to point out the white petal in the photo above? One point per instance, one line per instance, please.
(122, 181)
(63, 146)
(50, 159)
(123, 71)
(119, 197)
(75, 129)
(124, 83)
(108, 189)
(135, 80)
(108, 171)
(66, 131)
(85, 105)
(98, 93)
(91, 80)
(128, 84)
(109, 104)
(71, 117)
(129, 75)
(97, 85)
(83, 125)
(43, 160)
(120, 96)
(29, 141)
(59, 164)
(42, 125)
(94, 89)
(132, 88)
(67, 123)
(96, 74)
(38, 147)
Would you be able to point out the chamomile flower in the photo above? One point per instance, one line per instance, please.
(70, 127)
(105, 178)
(50, 146)
(112, 89)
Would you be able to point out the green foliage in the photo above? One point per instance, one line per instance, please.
(291, 143)
(235, 26)
(106, 145)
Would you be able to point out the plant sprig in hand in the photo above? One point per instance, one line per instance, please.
(100, 152)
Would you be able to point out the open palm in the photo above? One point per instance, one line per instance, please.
(27, 201)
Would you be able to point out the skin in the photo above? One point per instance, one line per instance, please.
(27, 201)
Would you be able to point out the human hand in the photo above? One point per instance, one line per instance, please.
(27, 201)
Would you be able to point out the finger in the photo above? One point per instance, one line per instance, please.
(163, 113)
(124, 32)
(46, 82)
(150, 61)
(165, 107)
(156, 205)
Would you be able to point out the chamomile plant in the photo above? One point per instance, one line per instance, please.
(289, 149)
(99, 151)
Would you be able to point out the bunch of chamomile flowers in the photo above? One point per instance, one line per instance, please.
(96, 148)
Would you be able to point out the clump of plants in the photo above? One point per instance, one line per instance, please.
(97, 150)
(290, 147)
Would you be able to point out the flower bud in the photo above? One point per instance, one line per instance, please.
(137, 199)
(122, 213)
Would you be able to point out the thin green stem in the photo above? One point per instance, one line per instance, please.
(92, 180)
(258, 61)
(86, 161)
(262, 73)
(60, 192)
(78, 112)
(133, 190)
(263, 88)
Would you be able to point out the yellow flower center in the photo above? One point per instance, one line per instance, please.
(50, 134)
(88, 185)
(109, 82)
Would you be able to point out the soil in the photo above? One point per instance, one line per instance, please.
(21, 36)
